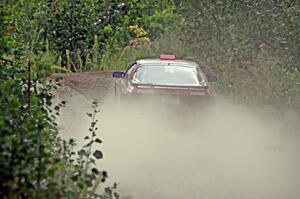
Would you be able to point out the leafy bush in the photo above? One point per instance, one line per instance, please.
(34, 162)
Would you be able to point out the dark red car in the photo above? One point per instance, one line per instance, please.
(165, 81)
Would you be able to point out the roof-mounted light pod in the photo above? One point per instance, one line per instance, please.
(167, 57)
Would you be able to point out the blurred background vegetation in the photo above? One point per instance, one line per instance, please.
(253, 46)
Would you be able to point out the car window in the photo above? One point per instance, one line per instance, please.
(181, 75)
(129, 70)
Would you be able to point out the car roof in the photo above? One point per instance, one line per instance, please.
(157, 61)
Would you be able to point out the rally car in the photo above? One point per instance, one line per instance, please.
(165, 81)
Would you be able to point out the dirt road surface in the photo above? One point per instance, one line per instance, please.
(231, 152)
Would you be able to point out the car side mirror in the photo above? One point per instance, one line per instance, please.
(212, 78)
(118, 74)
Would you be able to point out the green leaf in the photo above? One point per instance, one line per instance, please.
(95, 171)
(89, 114)
(98, 154)
(98, 140)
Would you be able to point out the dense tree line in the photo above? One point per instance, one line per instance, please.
(253, 45)
(70, 29)
(252, 25)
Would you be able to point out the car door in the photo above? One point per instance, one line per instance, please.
(122, 83)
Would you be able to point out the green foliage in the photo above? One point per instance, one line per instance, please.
(27, 130)
(34, 162)
(81, 178)
(247, 26)
(251, 45)
(72, 26)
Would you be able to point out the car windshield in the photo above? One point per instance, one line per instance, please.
(177, 75)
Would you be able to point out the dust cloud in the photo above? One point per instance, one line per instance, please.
(228, 151)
